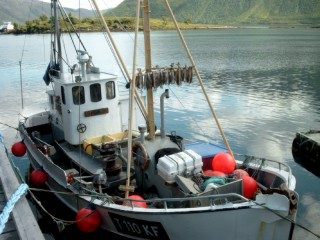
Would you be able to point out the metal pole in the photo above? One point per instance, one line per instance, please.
(147, 46)
(199, 78)
(21, 85)
(131, 102)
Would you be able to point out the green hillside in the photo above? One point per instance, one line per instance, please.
(223, 12)
(233, 11)
(19, 11)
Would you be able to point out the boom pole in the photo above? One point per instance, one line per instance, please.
(148, 62)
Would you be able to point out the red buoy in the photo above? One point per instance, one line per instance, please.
(250, 187)
(88, 219)
(135, 203)
(38, 177)
(210, 173)
(223, 162)
(240, 173)
(19, 149)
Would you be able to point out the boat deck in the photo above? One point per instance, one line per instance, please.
(87, 162)
(91, 165)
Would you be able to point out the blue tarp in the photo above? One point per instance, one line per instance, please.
(51, 66)
(206, 150)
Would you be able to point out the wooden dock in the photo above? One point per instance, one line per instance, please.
(307, 145)
(22, 223)
(306, 150)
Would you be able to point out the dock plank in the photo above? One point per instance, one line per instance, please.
(24, 221)
(313, 136)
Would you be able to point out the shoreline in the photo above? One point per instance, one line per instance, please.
(222, 27)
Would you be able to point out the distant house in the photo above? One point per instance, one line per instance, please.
(6, 27)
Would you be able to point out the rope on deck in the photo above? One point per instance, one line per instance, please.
(10, 204)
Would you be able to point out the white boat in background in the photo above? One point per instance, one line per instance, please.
(6, 27)
(130, 179)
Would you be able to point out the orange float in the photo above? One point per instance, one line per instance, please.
(223, 162)
(135, 203)
(250, 187)
(19, 149)
(88, 219)
(38, 177)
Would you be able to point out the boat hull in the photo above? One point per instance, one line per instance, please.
(245, 220)
(227, 222)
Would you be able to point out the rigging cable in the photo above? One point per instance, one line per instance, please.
(9, 126)
(110, 45)
(137, 96)
(66, 16)
(20, 62)
(196, 122)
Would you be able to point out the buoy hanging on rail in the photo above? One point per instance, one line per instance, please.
(19, 149)
(223, 162)
(38, 177)
(88, 219)
(250, 187)
(240, 173)
(135, 203)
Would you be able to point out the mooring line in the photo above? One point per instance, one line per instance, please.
(10, 205)
(290, 220)
(9, 126)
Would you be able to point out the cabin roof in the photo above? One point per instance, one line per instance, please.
(67, 78)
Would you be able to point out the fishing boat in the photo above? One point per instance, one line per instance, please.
(97, 148)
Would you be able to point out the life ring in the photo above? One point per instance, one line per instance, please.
(143, 166)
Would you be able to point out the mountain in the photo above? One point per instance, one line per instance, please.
(19, 11)
(232, 11)
(225, 12)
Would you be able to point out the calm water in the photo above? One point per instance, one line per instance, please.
(264, 85)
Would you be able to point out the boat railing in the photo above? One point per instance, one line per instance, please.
(190, 202)
(83, 185)
(267, 165)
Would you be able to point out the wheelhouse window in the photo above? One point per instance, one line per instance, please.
(63, 95)
(95, 92)
(110, 90)
(78, 95)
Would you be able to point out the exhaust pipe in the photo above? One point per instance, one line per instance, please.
(165, 94)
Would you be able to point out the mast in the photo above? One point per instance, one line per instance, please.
(55, 28)
(147, 46)
(131, 101)
(57, 34)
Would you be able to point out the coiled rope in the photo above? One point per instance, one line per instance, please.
(10, 204)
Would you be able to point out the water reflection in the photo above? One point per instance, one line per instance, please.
(311, 217)
(263, 83)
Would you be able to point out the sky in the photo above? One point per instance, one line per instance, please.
(103, 4)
